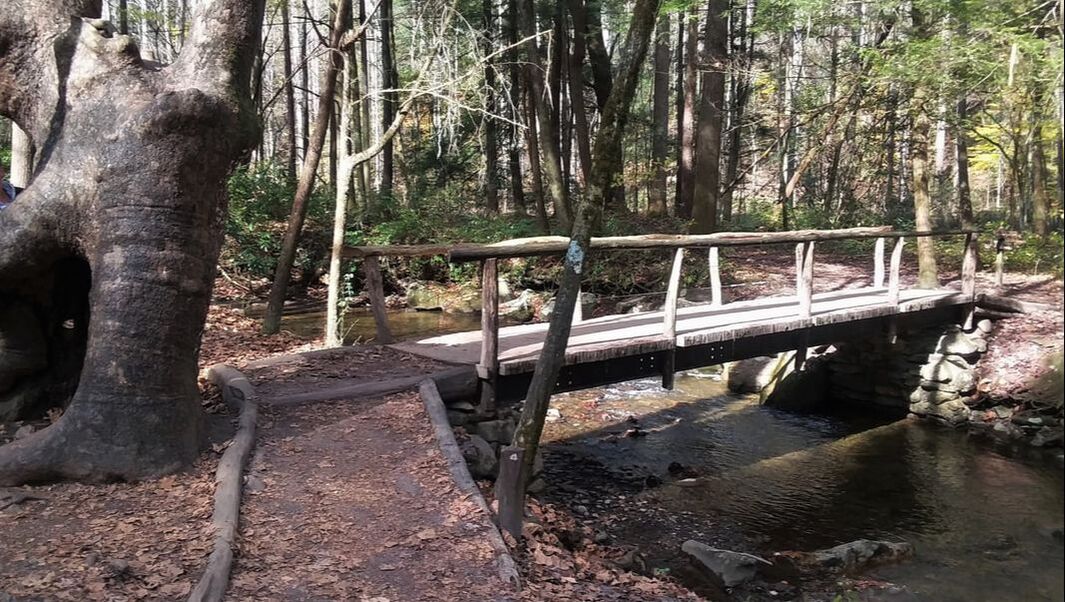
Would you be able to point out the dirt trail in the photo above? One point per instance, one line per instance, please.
(352, 500)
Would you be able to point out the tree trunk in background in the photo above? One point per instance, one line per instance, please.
(346, 146)
(890, 204)
(532, 145)
(605, 167)
(1040, 198)
(279, 288)
(123, 17)
(741, 82)
(126, 217)
(707, 187)
(599, 57)
(305, 94)
(686, 127)
(582, 131)
(389, 81)
(656, 204)
(961, 142)
(927, 274)
(22, 152)
(290, 93)
(491, 151)
(512, 56)
(602, 81)
(546, 134)
(365, 180)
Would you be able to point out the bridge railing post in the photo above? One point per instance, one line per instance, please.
(488, 367)
(878, 264)
(375, 289)
(804, 277)
(893, 274)
(968, 277)
(715, 278)
(669, 318)
(1000, 258)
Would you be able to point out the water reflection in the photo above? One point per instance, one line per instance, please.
(981, 517)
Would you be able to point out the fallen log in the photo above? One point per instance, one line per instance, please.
(456, 463)
(999, 303)
(229, 481)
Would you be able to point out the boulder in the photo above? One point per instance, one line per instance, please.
(931, 396)
(725, 566)
(984, 326)
(496, 431)
(859, 554)
(751, 375)
(956, 343)
(954, 411)
(480, 457)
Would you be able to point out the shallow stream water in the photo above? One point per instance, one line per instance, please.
(982, 518)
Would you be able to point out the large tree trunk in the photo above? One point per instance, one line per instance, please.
(711, 116)
(656, 204)
(130, 185)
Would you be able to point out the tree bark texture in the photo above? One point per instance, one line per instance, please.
(130, 185)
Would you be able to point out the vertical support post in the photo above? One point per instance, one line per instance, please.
(376, 290)
(800, 251)
(1000, 258)
(804, 259)
(669, 321)
(968, 277)
(510, 490)
(488, 368)
(893, 274)
(715, 278)
(878, 264)
(578, 309)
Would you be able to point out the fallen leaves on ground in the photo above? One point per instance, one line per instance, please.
(560, 561)
(143, 541)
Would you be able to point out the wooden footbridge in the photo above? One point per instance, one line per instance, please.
(618, 348)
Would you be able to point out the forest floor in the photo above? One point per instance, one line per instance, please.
(320, 518)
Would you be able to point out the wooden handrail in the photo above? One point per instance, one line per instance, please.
(556, 245)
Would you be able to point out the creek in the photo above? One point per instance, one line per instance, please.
(985, 520)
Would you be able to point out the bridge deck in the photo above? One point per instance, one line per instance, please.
(633, 334)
